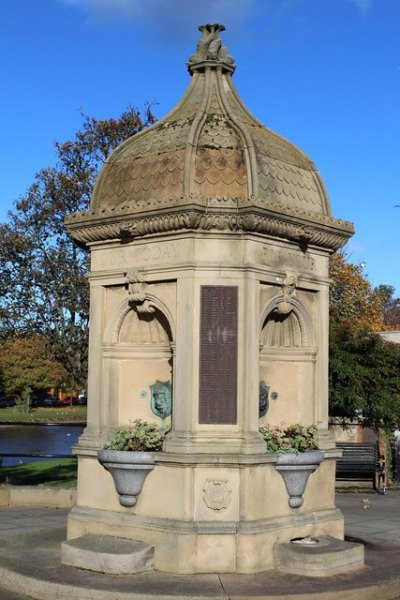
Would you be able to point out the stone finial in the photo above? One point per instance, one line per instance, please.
(211, 49)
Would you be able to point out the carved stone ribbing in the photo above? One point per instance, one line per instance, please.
(210, 165)
(212, 146)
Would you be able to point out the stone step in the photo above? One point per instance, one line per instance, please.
(107, 554)
(321, 556)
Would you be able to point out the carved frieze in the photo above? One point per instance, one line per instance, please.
(327, 232)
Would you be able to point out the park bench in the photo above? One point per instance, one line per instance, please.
(362, 461)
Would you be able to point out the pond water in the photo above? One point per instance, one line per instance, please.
(37, 439)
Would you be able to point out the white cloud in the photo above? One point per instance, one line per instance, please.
(363, 5)
(164, 13)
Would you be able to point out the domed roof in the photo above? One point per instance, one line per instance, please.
(210, 151)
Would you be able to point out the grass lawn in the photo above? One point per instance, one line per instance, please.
(59, 472)
(49, 414)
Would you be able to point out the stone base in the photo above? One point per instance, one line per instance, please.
(205, 547)
(107, 554)
(318, 557)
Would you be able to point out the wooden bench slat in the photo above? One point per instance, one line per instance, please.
(360, 460)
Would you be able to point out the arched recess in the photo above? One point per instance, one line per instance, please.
(286, 330)
(161, 314)
(286, 362)
(138, 349)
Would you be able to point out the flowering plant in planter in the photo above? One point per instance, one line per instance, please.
(139, 436)
(129, 457)
(298, 456)
(290, 439)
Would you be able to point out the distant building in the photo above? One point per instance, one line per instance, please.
(391, 336)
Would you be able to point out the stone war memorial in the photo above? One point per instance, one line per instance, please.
(210, 238)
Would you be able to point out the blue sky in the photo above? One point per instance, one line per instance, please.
(323, 73)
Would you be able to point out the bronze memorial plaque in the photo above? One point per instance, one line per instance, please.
(218, 354)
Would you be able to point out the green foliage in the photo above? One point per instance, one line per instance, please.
(56, 473)
(43, 284)
(26, 363)
(44, 415)
(293, 438)
(139, 436)
(364, 369)
(390, 306)
(364, 378)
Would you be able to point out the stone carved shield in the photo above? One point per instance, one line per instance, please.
(161, 398)
(217, 494)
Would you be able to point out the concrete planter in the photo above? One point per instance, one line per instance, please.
(295, 470)
(128, 470)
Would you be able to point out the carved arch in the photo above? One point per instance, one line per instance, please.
(292, 329)
(162, 313)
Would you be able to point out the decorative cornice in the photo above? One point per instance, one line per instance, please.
(325, 232)
(181, 202)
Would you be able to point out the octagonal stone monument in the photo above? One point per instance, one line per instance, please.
(210, 238)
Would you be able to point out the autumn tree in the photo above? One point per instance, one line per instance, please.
(43, 287)
(390, 306)
(354, 304)
(364, 369)
(26, 363)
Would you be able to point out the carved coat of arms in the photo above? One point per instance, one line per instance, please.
(217, 493)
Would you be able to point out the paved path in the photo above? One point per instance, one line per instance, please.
(372, 518)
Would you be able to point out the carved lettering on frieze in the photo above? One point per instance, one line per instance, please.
(158, 252)
(140, 255)
(217, 494)
(277, 258)
(116, 257)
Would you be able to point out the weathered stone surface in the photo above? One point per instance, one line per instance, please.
(210, 148)
(326, 557)
(208, 199)
(107, 554)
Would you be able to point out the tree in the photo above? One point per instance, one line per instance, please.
(43, 287)
(364, 369)
(365, 378)
(353, 301)
(25, 363)
(390, 306)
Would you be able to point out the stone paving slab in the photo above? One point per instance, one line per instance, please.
(6, 595)
(30, 564)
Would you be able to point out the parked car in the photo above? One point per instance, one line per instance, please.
(82, 400)
(6, 401)
(68, 401)
(51, 401)
(36, 401)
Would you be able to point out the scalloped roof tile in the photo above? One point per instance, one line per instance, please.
(211, 146)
